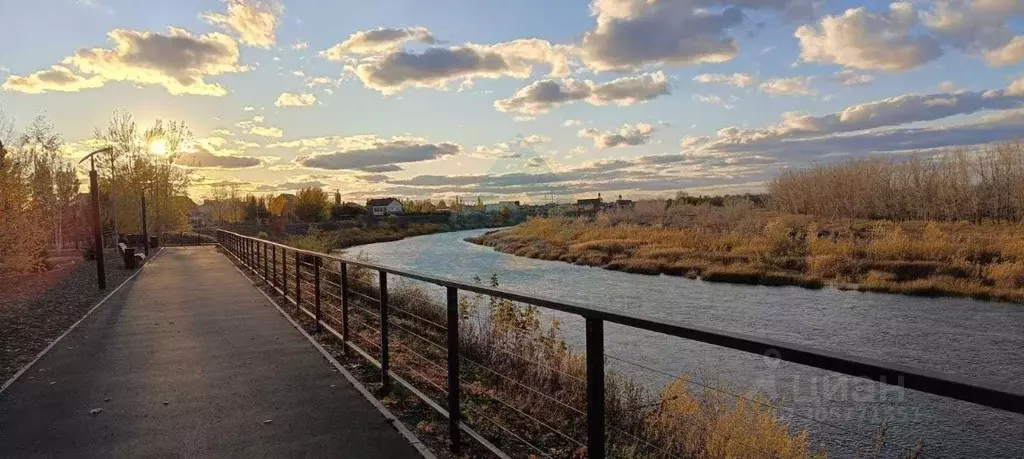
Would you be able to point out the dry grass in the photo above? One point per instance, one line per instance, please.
(509, 339)
(751, 246)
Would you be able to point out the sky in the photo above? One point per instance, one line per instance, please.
(532, 100)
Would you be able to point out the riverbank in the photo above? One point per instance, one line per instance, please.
(319, 240)
(981, 261)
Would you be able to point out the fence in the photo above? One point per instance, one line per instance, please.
(342, 299)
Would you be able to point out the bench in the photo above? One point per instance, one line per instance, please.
(131, 259)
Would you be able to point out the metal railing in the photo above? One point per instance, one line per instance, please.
(304, 279)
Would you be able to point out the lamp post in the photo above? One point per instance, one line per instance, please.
(97, 234)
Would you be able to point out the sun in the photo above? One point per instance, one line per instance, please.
(158, 146)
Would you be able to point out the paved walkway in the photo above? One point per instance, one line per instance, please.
(189, 360)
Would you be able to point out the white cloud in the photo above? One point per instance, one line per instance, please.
(1016, 88)
(266, 131)
(712, 99)
(571, 123)
(540, 96)
(978, 27)
(178, 61)
(376, 41)
(1010, 54)
(796, 86)
(253, 21)
(852, 78)
(865, 40)
(628, 135)
(57, 78)
(739, 80)
(288, 99)
(300, 45)
(249, 108)
(312, 82)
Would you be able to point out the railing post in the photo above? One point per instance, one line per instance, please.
(273, 263)
(385, 378)
(344, 306)
(316, 294)
(453, 371)
(595, 388)
(266, 265)
(284, 272)
(298, 284)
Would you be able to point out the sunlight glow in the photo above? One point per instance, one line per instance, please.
(158, 146)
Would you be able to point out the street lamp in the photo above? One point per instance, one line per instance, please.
(97, 234)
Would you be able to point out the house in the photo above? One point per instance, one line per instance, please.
(512, 206)
(623, 204)
(590, 205)
(384, 206)
(201, 216)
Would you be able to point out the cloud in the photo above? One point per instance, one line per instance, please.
(300, 45)
(739, 80)
(796, 86)
(265, 131)
(978, 27)
(288, 99)
(571, 123)
(628, 135)
(253, 21)
(437, 67)
(1010, 54)
(501, 150)
(1016, 88)
(293, 185)
(631, 34)
(860, 39)
(852, 78)
(376, 41)
(57, 78)
(202, 158)
(712, 99)
(540, 96)
(536, 161)
(369, 153)
(177, 60)
(312, 82)
(875, 126)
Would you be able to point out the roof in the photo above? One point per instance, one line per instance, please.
(380, 202)
(589, 201)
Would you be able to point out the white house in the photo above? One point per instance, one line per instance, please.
(512, 206)
(384, 206)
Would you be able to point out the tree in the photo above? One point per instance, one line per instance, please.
(311, 205)
(67, 185)
(133, 169)
(442, 205)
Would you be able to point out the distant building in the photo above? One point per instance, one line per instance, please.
(590, 205)
(201, 216)
(384, 206)
(512, 206)
(623, 203)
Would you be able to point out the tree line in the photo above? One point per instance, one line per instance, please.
(979, 185)
(44, 206)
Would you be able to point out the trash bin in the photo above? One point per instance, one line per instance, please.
(154, 242)
(129, 258)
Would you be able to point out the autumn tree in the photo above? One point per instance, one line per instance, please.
(141, 162)
(311, 205)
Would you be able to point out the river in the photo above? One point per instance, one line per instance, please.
(976, 339)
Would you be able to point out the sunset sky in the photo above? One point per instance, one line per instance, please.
(519, 99)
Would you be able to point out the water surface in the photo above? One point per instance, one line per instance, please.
(982, 340)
